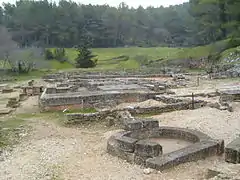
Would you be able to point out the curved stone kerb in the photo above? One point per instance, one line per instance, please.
(134, 147)
(169, 132)
(193, 152)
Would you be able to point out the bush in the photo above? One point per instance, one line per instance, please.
(60, 54)
(48, 54)
(234, 42)
(22, 67)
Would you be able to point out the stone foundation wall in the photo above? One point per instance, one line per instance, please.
(229, 95)
(166, 108)
(133, 145)
(117, 117)
(75, 118)
(52, 101)
(32, 90)
(58, 77)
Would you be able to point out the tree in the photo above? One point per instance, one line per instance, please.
(85, 58)
(64, 24)
(216, 19)
(7, 46)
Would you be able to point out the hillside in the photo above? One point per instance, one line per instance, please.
(154, 57)
(148, 60)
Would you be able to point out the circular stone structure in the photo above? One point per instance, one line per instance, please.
(134, 145)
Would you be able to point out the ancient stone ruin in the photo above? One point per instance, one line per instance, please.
(232, 151)
(136, 145)
(81, 91)
(142, 141)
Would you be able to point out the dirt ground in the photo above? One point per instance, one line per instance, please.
(54, 152)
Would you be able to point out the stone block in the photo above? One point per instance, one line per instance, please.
(132, 125)
(126, 144)
(212, 173)
(112, 148)
(191, 153)
(30, 83)
(4, 111)
(22, 97)
(140, 160)
(147, 148)
(150, 124)
(221, 147)
(7, 90)
(51, 90)
(232, 155)
(232, 152)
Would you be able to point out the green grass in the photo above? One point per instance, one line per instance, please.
(31, 75)
(59, 66)
(106, 56)
(153, 57)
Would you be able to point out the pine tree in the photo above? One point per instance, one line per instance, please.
(85, 58)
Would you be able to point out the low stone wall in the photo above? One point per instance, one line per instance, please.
(32, 90)
(99, 76)
(133, 145)
(75, 118)
(195, 152)
(118, 118)
(230, 95)
(232, 151)
(77, 75)
(94, 99)
(166, 108)
(168, 99)
(7, 90)
(227, 74)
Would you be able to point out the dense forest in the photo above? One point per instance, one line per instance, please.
(65, 24)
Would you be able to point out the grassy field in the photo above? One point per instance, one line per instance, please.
(108, 57)
(135, 57)
(131, 58)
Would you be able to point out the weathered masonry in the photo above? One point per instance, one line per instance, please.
(61, 101)
(232, 151)
(134, 145)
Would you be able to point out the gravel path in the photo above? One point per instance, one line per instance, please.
(54, 152)
(217, 124)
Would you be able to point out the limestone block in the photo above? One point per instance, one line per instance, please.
(148, 149)
(191, 153)
(126, 144)
(150, 124)
(133, 125)
(30, 83)
(7, 90)
(51, 90)
(4, 111)
(22, 97)
(232, 152)
(112, 148)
